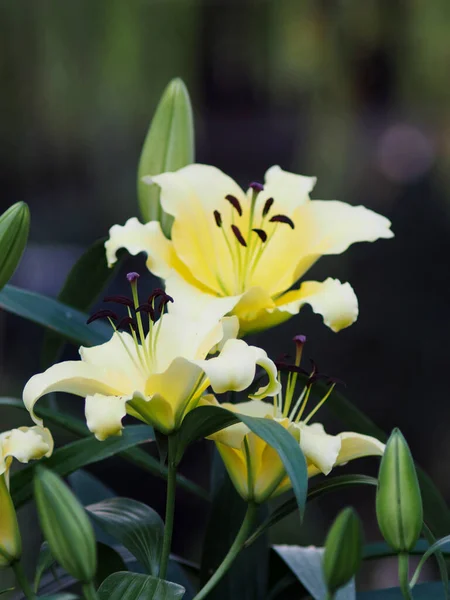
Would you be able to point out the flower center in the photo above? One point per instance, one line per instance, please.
(144, 357)
(246, 248)
(286, 406)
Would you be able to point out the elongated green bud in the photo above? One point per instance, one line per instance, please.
(169, 146)
(399, 502)
(65, 525)
(10, 540)
(343, 550)
(14, 228)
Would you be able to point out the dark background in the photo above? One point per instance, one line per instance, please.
(353, 92)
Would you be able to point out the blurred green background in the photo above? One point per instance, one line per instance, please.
(353, 92)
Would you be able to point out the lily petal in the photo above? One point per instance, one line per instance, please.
(356, 445)
(24, 444)
(136, 237)
(191, 195)
(104, 414)
(320, 449)
(288, 190)
(235, 367)
(179, 385)
(335, 301)
(74, 377)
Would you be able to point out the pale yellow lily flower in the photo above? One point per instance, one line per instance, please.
(157, 378)
(240, 253)
(24, 444)
(255, 467)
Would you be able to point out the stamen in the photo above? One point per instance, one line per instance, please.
(288, 368)
(127, 322)
(132, 277)
(300, 341)
(267, 206)
(119, 300)
(164, 301)
(261, 233)
(256, 186)
(239, 236)
(155, 294)
(102, 314)
(282, 219)
(148, 308)
(324, 399)
(235, 203)
(218, 218)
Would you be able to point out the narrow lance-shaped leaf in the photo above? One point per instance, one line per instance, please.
(14, 228)
(169, 146)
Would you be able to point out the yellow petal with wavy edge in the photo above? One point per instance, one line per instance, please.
(135, 238)
(156, 411)
(104, 414)
(191, 195)
(10, 540)
(288, 190)
(24, 444)
(335, 301)
(234, 369)
(75, 377)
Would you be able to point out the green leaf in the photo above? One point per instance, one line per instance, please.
(76, 455)
(56, 316)
(324, 487)
(14, 229)
(59, 597)
(134, 586)
(306, 564)
(83, 285)
(135, 525)
(436, 511)
(136, 456)
(424, 591)
(169, 146)
(205, 420)
(247, 577)
(443, 570)
(45, 561)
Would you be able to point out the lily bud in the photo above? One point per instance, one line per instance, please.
(343, 550)
(14, 227)
(65, 525)
(10, 540)
(399, 502)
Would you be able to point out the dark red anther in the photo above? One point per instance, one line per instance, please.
(102, 314)
(126, 322)
(119, 300)
(282, 219)
(147, 308)
(267, 206)
(289, 368)
(256, 186)
(155, 294)
(218, 218)
(132, 277)
(239, 236)
(261, 233)
(235, 203)
(164, 301)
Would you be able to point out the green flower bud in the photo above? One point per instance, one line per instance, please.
(399, 502)
(10, 541)
(343, 550)
(65, 525)
(14, 227)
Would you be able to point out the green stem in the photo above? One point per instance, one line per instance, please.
(22, 580)
(403, 575)
(236, 547)
(89, 591)
(170, 505)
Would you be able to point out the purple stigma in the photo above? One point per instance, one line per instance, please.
(256, 186)
(132, 277)
(299, 339)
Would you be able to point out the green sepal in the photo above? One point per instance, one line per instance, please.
(14, 229)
